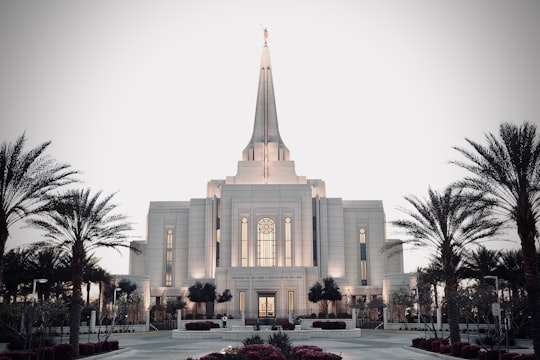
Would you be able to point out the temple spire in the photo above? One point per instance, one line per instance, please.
(265, 144)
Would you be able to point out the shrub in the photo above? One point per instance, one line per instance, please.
(333, 325)
(302, 352)
(255, 339)
(490, 354)
(470, 351)
(87, 349)
(62, 351)
(317, 324)
(445, 349)
(456, 348)
(202, 325)
(282, 342)
(260, 352)
(416, 342)
(115, 345)
(286, 325)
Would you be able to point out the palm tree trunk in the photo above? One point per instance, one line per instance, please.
(450, 292)
(3, 239)
(76, 299)
(532, 282)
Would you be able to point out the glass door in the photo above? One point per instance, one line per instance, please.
(267, 305)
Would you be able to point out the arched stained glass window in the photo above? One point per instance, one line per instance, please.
(266, 242)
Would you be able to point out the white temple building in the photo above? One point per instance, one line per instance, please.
(266, 233)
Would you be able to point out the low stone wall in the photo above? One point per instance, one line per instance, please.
(241, 334)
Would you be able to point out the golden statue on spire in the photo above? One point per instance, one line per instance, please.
(265, 36)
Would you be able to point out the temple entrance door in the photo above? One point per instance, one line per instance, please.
(267, 305)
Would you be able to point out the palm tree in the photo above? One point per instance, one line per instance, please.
(447, 223)
(93, 273)
(507, 169)
(26, 179)
(481, 262)
(80, 222)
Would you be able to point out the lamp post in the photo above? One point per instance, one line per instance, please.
(496, 307)
(417, 303)
(114, 306)
(41, 281)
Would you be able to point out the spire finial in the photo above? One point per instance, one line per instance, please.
(265, 31)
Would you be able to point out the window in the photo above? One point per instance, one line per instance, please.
(244, 244)
(169, 258)
(242, 300)
(363, 257)
(291, 300)
(288, 242)
(218, 241)
(266, 242)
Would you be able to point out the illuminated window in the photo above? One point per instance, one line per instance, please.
(266, 242)
(244, 245)
(288, 242)
(169, 258)
(242, 300)
(291, 300)
(218, 242)
(363, 257)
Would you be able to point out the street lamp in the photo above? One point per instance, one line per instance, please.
(114, 306)
(41, 281)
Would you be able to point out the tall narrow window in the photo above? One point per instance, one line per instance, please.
(363, 257)
(169, 258)
(288, 242)
(218, 241)
(291, 300)
(244, 245)
(242, 300)
(266, 242)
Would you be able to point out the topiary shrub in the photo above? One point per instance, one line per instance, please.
(303, 352)
(490, 354)
(317, 324)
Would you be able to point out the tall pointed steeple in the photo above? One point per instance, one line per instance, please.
(266, 143)
(265, 159)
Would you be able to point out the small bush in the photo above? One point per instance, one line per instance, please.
(260, 352)
(282, 342)
(490, 354)
(87, 349)
(20, 355)
(470, 351)
(62, 351)
(416, 342)
(317, 324)
(255, 339)
(456, 348)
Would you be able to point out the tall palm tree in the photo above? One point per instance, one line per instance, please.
(26, 178)
(79, 223)
(507, 169)
(448, 223)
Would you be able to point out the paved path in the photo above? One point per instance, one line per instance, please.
(385, 345)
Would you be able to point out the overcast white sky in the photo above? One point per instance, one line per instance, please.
(154, 98)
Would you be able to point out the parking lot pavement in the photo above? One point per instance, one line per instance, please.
(385, 345)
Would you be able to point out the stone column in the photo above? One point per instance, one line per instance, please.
(354, 313)
(439, 319)
(147, 314)
(385, 318)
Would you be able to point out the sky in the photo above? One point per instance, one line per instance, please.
(152, 99)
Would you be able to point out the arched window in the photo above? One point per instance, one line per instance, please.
(266, 242)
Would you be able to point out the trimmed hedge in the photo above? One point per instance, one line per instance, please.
(330, 325)
(201, 325)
